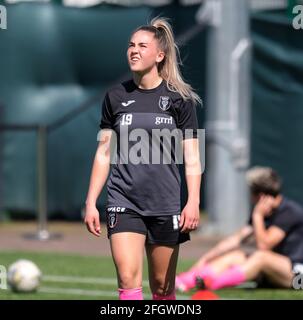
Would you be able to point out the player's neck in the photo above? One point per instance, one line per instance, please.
(147, 81)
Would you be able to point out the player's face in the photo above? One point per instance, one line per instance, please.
(143, 52)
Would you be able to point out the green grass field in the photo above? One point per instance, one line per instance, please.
(79, 277)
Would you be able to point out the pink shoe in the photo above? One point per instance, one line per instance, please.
(180, 285)
(185, 281)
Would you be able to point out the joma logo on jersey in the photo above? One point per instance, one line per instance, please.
(126, 104)
(164, 103)
(165, 120)
(116, 209)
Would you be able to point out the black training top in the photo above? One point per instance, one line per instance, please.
(142, 185)
(288, 217)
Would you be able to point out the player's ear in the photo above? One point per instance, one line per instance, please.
(160, 56)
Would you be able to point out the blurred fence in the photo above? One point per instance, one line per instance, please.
(57, 65)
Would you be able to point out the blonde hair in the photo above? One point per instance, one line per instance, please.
(263, 180)
(168, 68)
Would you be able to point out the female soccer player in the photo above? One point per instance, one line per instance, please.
(143, 205)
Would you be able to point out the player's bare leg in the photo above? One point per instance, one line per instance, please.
(188, 280)
(276, 267)
(162, 263)
(227, 260)
(128, 252)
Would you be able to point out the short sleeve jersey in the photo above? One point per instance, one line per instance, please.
(288, 217)
(146, 187)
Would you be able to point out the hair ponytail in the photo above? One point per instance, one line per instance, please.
(168, 68)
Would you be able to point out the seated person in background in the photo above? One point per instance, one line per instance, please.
(276, 228)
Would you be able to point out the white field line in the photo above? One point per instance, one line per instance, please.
(72, 279)
(83, 292)
(88, 280)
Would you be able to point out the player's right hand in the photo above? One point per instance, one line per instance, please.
(92, 220)
(265, 206)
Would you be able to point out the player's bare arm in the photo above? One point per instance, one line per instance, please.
(98, 178)
(190, 216)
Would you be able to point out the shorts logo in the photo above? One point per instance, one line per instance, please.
(116, 209)
(164, 103)
(112, 219)
(176, 219)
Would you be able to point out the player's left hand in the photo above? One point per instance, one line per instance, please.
(190, 217)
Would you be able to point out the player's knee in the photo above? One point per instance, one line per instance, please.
(260, 256)
(129, 279)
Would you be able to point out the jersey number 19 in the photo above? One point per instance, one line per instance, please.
(126, 119)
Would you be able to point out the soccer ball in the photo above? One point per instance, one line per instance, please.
(24, 276)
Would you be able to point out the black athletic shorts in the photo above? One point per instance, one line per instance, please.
(158, 229)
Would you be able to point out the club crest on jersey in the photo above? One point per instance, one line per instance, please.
(164, 103)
